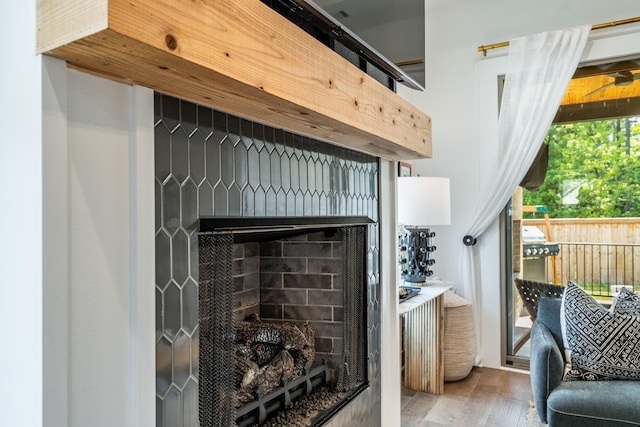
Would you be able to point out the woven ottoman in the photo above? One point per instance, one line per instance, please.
(459, 337)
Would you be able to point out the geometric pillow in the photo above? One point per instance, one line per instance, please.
(626, 303)
(599, 345)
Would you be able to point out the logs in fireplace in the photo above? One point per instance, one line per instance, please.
(268, 355)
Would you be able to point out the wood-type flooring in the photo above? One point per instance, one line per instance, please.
(487, 397)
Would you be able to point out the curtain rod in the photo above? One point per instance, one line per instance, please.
(485, 48)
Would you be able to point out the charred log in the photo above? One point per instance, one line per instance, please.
(288, 335)
(268, 355)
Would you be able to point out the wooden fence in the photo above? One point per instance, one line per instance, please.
(590, 230)
(600, 254)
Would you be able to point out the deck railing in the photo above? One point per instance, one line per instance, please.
(601, 268)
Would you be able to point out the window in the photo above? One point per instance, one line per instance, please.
(593, 170)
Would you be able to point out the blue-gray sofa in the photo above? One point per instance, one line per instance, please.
(605, 403)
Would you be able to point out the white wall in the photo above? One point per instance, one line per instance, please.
(20, 218)
(76, 241)
(407, 38)
(462, 102)
(99, 366)
(390, 322)
(55, 239)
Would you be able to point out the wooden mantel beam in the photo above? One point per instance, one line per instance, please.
(237, 56)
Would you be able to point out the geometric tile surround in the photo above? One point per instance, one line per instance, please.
(210, 163)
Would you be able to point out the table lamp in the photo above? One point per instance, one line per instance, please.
(422, 202)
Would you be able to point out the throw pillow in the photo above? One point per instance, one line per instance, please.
(599, 345)
(626, 302)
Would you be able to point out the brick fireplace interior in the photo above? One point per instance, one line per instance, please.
(269, 284)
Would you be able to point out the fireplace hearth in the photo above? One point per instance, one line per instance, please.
(283, 310)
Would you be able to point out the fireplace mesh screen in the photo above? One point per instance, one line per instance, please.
(216, 398)
(354, 343)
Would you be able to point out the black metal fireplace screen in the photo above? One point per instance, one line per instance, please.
(354, 329)
(216, 323)
(215, 305)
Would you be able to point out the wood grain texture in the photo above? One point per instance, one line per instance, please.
(62, 22)
(487, 397)
(424, 347)
(241, 57)
(578, 90)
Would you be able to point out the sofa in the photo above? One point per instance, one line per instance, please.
(602, 402)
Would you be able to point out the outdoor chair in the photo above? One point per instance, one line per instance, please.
(531, 291)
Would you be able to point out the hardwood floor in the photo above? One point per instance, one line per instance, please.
(487, 397)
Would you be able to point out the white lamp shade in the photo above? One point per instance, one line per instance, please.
(423, 201)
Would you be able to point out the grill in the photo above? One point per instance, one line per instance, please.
(535, 249)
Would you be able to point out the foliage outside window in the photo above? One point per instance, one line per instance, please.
(594, 170)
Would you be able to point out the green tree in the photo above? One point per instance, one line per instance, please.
(594, 170)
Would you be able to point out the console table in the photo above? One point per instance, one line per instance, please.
(423, 322)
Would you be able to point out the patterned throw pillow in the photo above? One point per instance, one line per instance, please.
(626, 303)
(599, 345)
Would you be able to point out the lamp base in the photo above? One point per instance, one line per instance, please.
(415, 254)
(416, 278)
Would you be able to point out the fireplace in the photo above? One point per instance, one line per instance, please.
(210, 164)
(282, 301)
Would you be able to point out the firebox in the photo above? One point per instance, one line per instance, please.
(282, 318)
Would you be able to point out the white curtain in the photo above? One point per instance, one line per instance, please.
(539, 69)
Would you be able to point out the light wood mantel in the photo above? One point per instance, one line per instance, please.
(237, 56)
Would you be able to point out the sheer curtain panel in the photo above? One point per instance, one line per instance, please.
(539, 68)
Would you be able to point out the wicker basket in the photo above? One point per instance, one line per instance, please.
(459, 337)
